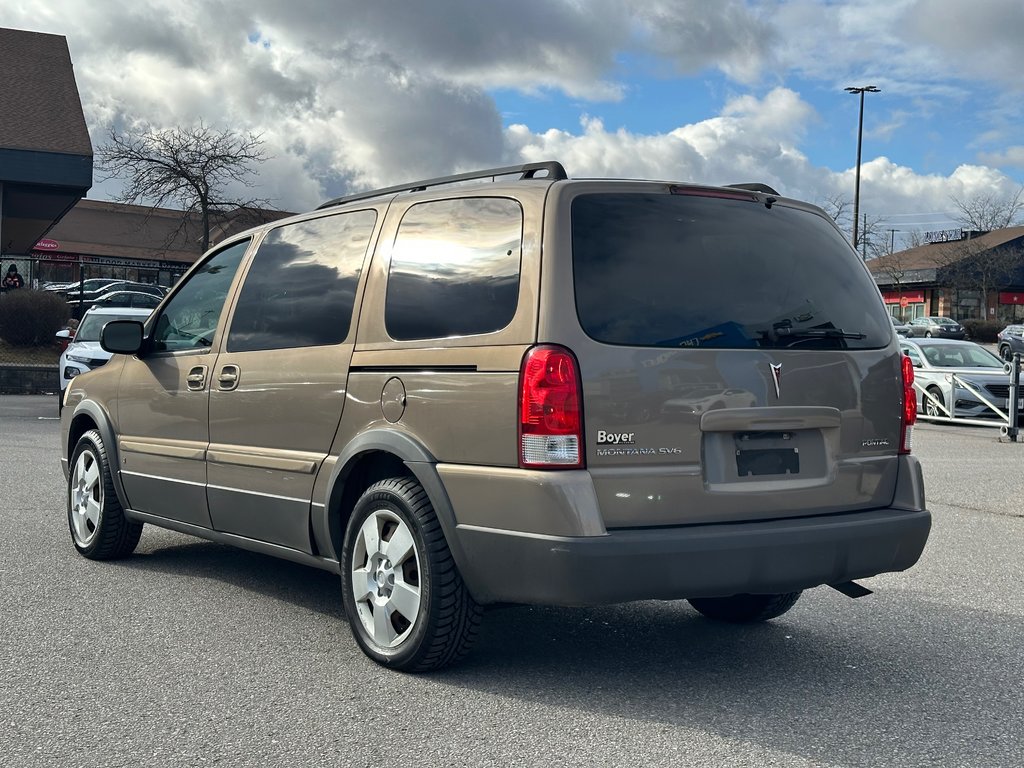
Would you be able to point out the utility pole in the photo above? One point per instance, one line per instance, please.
(860, 135)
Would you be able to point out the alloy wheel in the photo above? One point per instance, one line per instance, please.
(386, 578)
(86, 502)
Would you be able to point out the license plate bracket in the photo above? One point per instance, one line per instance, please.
(767, 461)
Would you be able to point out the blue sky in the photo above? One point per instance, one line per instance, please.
(350, 95)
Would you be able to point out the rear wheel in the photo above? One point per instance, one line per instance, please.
(99, 528)
(745, 609)
(1005, 353)
(405, 600)
(927, 334)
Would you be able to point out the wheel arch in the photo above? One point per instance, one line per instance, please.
(374, 456)
(90, 415)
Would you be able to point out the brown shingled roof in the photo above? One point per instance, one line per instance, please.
(933, 255)
(99, 228)
(41, 107)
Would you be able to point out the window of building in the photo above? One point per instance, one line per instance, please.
(455, 269)
(300, 289)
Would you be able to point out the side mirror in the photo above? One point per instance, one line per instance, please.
(64, 333)
(123, 337)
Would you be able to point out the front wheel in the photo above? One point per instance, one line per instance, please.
(927, 334)
(99, 528)
(931, 407)
(745, 609)
(405, 600)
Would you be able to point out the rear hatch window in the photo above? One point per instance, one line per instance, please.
(696, 271)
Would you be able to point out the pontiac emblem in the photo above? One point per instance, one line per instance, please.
(776, 376)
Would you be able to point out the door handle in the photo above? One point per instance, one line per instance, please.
(228, 377)
(196, 379)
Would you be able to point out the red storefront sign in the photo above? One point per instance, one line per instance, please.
(47, 245)
(903, 298)
(1011, 297)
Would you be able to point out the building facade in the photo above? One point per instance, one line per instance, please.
(129, 242)
(966, 275)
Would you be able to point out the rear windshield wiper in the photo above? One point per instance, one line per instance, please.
(819, 333)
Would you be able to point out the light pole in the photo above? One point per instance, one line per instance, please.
(860, 135)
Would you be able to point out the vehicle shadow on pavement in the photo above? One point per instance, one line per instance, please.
(176, 554)
(824, 681)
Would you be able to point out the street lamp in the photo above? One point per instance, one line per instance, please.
(860, 135)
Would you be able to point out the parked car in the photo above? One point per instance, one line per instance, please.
(92, 292)
(83, 352)
(123, 299)
(409, 405)
(1010, 340)
(901, 328)
(89, 287)
(935, 363)
(941, 327)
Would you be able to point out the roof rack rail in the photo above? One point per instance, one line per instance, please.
(555, 172)
(754, 186)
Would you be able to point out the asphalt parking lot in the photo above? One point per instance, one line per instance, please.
(191, 653)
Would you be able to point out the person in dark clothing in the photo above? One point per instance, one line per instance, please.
(12, 279)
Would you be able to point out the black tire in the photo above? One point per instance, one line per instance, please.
(927, 334)
(930, 408)
(1005, 353)
(422, 580)
(745, 609)
(96, 520)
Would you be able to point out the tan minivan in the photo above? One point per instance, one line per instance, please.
(517, 388)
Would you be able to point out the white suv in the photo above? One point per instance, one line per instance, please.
(84, 352)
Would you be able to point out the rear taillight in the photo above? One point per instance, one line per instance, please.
(550, 420)
(909, 405)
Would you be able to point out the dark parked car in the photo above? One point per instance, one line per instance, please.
(900, 327)
(80, 301)
(90, 286)
(124, 299)
(1010, 340)
(938, 327)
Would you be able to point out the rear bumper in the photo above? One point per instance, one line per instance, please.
(770, 556)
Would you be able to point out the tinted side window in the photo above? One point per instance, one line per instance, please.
(455, 269)
(190, 318)
(680, 270)
(301, 287)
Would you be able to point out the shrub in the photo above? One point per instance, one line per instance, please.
(982, 331)
(30, 318)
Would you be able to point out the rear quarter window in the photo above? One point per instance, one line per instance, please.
(455, 269)
(661, 270)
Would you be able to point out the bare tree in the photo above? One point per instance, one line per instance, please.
(191, 168)
(986, 212)
(840, 208)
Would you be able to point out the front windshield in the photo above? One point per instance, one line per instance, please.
(961, 356)
(91, 326)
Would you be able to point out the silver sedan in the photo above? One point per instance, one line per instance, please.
(978, 375)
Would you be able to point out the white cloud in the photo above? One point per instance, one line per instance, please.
(356, 94)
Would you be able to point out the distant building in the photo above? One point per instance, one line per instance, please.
(961, 274)
(45, 150)
(132, 242)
